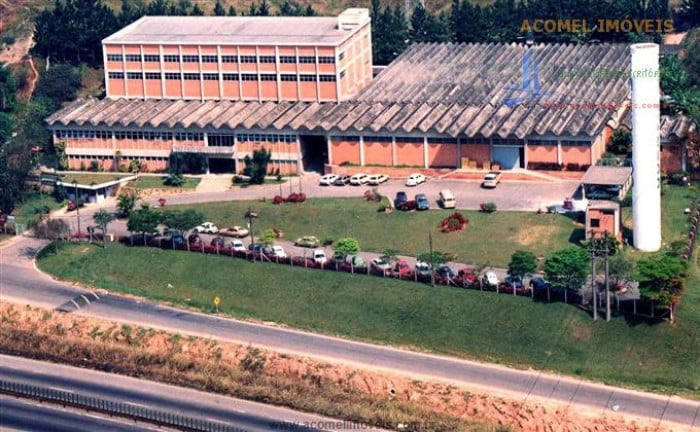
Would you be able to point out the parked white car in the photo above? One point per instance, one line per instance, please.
(327, 179)
(490, 278)
(237, 246)
(358, 179)
(380, 266)
(377, 179)
(206, 227)
(415, 179)
(319, 256)
(276, 251)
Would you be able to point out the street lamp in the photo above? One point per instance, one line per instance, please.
(596, 251)
(250, 215)
(77, 205)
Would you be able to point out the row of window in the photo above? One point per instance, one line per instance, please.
(288, 138)
(127, 158)
(187, 58)
(215, 77)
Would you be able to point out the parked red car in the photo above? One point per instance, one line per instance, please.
(402, 269)
(71, 206)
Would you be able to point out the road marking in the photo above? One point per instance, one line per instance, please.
(138, 404)
(85, 298)
(94, 294)
(61, 389)
(77, 306)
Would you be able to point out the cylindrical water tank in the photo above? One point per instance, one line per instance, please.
(646, 190)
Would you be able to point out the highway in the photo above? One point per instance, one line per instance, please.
(24, 415)
(243, 415)
(20, 282)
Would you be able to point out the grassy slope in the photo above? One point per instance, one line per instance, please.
(489, 238)
(153, 182)
(472, 324)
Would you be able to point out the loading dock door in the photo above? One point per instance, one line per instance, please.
(507, 157)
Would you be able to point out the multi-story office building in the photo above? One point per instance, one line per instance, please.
(319, 59)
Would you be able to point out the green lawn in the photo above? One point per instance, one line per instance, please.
(467, 323)
(156, 182)
(33, 205)
(488, 239)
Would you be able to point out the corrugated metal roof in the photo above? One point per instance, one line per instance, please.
(671, 125)
(453, 89)
(237, 30)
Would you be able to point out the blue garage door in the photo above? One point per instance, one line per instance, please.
(507, 157)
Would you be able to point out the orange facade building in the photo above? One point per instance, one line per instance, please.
(317, 59)
(436, 106)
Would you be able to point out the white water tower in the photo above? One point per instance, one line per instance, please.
(646, 191)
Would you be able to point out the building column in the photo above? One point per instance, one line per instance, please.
(277, 72)
(393, 151)
(425, 151)
(525, 154)
(362, 151)
(201, 78)
(143, 73)
(240, 74)
(182, 78)
(558, 152)
(330, 149)
(318, 78)
(300, 166)
(459, 153)
(162, 72)
(126, 81)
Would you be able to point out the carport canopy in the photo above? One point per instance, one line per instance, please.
(605, 176)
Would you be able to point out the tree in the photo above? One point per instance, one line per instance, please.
(620, 269)
(103, 218)
(231, 11)
(567, 267)
(434, 259)
(690, 10)
(144, 221)
(390, 255)
(347, 246)
(256, 167)
(59, 84)
(661, 280)
(181, 221)
(673, 75)
(8, 90)
(219, 9)
(126, 203)
(621, 142)
(522, 263)
(268, 237)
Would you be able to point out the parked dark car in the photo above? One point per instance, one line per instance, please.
(218, 241)
(256, 247)
(173, 241)
(537, 283)
(422, 202)
(194, 238)
(514, 281)
(342, 181)
(401, 198)
(445, 272)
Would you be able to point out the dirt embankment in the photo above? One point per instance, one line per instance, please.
(335, 390)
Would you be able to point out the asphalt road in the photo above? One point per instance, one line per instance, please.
(21, 283)
(244, 415)
(25, 415)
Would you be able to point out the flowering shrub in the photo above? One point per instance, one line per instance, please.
(296, 198)
(454, 222)
(277, 199)
(488, 207)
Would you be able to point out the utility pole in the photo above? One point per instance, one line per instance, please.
(594, 287)
(432, 270)
(249, 215)
(607, 287)
(595, 250)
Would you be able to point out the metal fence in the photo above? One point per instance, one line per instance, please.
(115, 408)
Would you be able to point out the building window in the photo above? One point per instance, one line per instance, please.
(542, 142)
(116, 75)
(171, 58)
(326, 60)
(307, 78)
(249, 77)
(595, 223)
(151, 58)
(229, 59)
(410, 139)
(288, 77)
(172, 76)
(268, 77)
(223, 140)
(133, 75)
(210, 77)
(190, 59)
(248, 59)
(288, 59)
(152, 76)
(575, 143)
(230, 77)
(114, 57)
(327, 78)
(307, 59)
(341, 56)
(267, 59)
(442, 140)
(133, 57)
(191, 76)
(346, 138)
(209, 59)
(385, 139)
